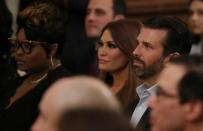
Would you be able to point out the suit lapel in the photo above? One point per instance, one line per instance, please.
(144, 124)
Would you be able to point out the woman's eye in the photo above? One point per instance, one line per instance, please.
(99, 44)
(111, 44)
(26, 45)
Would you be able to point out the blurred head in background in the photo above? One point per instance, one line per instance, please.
(100, 13)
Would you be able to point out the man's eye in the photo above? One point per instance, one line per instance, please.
(88, 12)
(99, 12)
(190, 12)
(200, 12)
(146, 45)
(111, 44)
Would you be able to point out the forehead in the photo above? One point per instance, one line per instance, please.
(106, 36)
(153, 36)
(170, 77)
(100, 4)
(197, 4)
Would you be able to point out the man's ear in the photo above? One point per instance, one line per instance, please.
(118, 17)
(174, 55)
(193, 110)
(170, 56)
(53, 49)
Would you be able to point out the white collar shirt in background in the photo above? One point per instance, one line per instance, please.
(144, 93)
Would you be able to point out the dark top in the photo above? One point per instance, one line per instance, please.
(144, 124)
(22, 113)
(78, 53)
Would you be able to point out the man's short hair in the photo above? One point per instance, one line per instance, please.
(178, 36)
(119, 7)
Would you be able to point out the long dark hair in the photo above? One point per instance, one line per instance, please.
(124, 33)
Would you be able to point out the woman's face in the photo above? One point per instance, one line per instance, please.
(196, 17)
(110, 57)
(34, 61)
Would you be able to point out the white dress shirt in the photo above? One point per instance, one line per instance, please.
(143, 92)
(196, 49)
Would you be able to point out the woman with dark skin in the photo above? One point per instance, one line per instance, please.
(35, 51)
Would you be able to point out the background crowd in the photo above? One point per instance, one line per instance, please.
(82, 65)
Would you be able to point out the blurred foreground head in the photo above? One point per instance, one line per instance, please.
(72, 94)
(182, 93)
(93, 120)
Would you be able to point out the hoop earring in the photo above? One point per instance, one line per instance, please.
(52, 63)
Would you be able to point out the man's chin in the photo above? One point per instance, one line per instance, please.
(143, 74)
(140, 73)
(93, 34)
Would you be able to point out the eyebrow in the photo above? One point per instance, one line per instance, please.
(108, 41)
(142, 41)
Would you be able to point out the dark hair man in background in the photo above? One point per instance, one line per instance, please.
(160, 39)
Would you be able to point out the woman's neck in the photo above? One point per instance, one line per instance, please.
(40, 74)
(119, 79)
(36, 77)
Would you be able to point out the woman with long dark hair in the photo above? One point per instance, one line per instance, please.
(115, 48)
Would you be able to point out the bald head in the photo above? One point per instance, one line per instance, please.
(73, 93)
(79, 92)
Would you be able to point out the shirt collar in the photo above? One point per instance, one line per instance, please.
(144, 91)
(152, 89)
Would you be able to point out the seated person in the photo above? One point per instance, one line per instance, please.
(178, 103)
(114, 50)
(35, 51)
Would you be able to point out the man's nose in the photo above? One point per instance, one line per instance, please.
(91, 16)
(136, 51)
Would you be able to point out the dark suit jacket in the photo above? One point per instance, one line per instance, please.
(143, 124)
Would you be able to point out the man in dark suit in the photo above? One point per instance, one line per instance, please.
(160, 39)
(178, 103)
